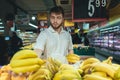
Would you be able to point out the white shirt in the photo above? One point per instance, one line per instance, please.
(54, 44)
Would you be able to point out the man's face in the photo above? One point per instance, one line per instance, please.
(56, 20)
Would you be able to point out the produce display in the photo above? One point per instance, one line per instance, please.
(25, 65)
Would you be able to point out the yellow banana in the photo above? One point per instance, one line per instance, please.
(50, 67)
(90, 61)
(80, 71)
(24, 69)
(116, 65)
(85, 66)
(117, 74)
(22, 54)
(26, 62)
(66, 67)
(72, 61)
(40, 72)
(103, 67)
(100, 73)
(67, 75)
(108, 60)
(73, 58)
(94, 77)
(73, 55)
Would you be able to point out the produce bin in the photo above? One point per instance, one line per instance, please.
(85, 51)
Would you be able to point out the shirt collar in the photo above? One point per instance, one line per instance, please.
(52, 30)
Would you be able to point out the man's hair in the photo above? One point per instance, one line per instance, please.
(57, 9)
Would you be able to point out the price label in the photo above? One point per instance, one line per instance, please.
(89, 10)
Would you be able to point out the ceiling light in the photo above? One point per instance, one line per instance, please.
(1, 26)
(33, 18)
(33, 25)
(1, 30)
(1, 23)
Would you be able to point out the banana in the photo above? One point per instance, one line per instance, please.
(80, 71)
(26, 62)
(94, 77)
(103, 74)
(108, 60)
(85, 66)
(50, 67)
(45, 73)
(117, 74)
(73, 58)
(57, 63)
(116, 66)
(72, 61)
(67, 75)
(24, 69)
(23, 54)
(73, 55)
(88, 71)
(90, 61)
(66, 67)
(103, 67)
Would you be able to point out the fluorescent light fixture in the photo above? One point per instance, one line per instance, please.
(33, 25)
(1, 26)
(1, 30)
(29, 32)
(18, 30)
(1, 23)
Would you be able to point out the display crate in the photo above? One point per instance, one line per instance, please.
(84, 51)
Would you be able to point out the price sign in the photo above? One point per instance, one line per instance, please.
(89, 10)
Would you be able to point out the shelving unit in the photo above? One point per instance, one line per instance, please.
(28, 38)
(106, 40)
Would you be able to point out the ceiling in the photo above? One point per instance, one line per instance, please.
(32, 7)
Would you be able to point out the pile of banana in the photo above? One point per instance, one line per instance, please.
(25, 61)
(73, 58)
(25, 65)
(94, 69)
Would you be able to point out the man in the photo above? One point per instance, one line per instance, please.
(54, 42)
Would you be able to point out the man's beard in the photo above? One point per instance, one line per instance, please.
(55, 28)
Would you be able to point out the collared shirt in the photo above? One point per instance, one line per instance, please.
(53, 43)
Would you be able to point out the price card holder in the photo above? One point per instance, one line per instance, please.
(89, 10)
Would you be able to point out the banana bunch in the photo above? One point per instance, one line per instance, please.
(86, 64)
(108, 60)
(95, 77)
(73, 58)
(25, 61)
(67, 74)
(99, 71)
(41, 74)
(108, 69)
(53, 65)
(89, 61)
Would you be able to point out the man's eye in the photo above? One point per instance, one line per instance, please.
(59, 17)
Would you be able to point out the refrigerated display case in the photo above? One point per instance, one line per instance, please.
(106, 40)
